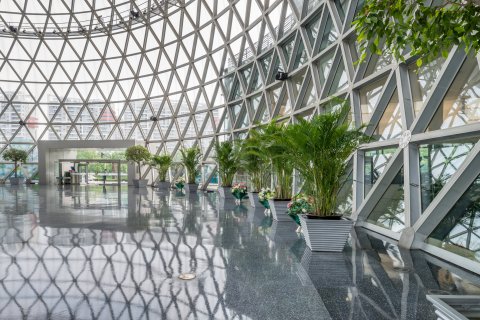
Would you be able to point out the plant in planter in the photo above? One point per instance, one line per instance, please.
(140, 156)
(162, 164)
(319, 150)
(264, 195)
(272, 146)
(256, 165)
(239, 191)
(191, 160)
(227, 157)
(16, 156)
(180, 183)
(300, 204)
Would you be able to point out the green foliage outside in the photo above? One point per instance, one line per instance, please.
(99, 168)
(162, 164)
(16, 156)
(190, 158)
(139, 155)
(319, 150)
(428, 31)
(228, 159)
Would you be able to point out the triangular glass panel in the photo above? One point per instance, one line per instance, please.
(288, 48)
(265, 63)
(300, 56)
(461, 105)
(438, 163)
(105, 130)
(342, 6)
(235, 111)
(155, 134)
(458, 232)
(247, 74)
(190, 130)
(378, 63)
(369, 96)
(375, 163)
(256, 81)
(389, 212)
(200, 119)
(285, 104)
(23, 135)
(297, 82)
(83, 130)
(116, 135)
(95, 135)
(173, 134)
(237, 90)
(329, 35)
(84, 117)
(324, 67)
(310, 95)
(390, 125)
(268, 39)
(227, 84)
(61, 116)
(125, 129)
(136, 133)
(340, 81)
(72, 134)
(313, 28)
(422, 81)
(243, 119)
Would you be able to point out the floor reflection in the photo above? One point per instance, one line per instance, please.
(115, 253)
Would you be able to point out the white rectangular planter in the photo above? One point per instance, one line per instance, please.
(190, 187)
(253, 197)
(140, 183)
(279, 209)
(461, 307)
(326, 235)
(226, 193)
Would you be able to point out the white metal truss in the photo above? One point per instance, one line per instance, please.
(206, 69)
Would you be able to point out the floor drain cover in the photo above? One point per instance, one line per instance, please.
(187, 276)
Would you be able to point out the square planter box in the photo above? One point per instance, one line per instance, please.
(253, 197)
(326, 235)
(279, 209)
(191, 187)
(461, 307)
(17, 181)
(140, 183)
(226, 193)
(163, 186)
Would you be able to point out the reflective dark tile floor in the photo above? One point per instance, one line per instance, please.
(109, 253)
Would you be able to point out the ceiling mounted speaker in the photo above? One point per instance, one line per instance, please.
(281, 76)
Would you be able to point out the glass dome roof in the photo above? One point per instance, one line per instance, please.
(103, 69)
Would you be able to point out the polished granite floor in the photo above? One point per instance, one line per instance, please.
(108, 253)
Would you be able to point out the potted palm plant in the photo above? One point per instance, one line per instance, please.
(272, 147)
(227, 157)
(256, 166)
(162, 164)
(16, 156)
(319, 150)
(139, 155)
(191, 160)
